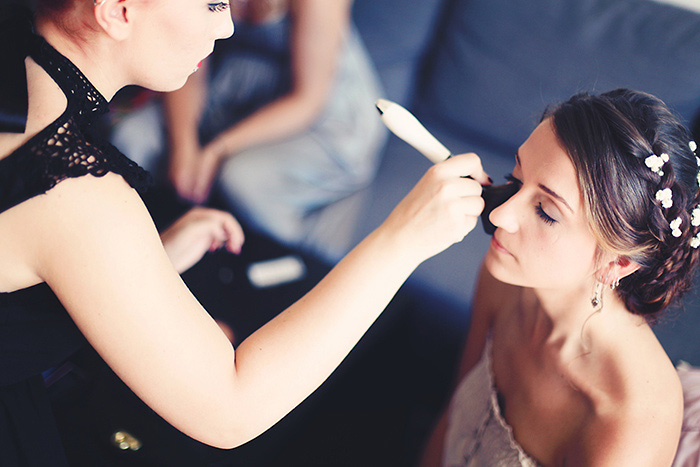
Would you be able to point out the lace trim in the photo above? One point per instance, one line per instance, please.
(84, 99)
(523, 457)
(67, 148)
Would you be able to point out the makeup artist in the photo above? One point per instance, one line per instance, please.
(81, 259)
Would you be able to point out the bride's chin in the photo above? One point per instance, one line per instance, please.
(498, 270)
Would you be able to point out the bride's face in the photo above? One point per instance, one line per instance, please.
(543, 239)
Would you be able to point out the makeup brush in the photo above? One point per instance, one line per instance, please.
(403, 124)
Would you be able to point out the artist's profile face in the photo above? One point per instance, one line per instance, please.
(170, 39)
(543, 239)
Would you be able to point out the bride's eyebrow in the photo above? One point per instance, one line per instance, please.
(555, 195)
(544, 188)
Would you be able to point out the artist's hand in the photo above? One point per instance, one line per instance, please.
(198, 231)
(442, 208)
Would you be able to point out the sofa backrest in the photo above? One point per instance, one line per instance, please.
(498, 63)
(397, 33)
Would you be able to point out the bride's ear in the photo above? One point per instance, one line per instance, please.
(616, 269)
(112, 17)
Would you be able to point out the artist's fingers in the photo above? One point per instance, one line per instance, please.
(465, 187)
(471, 206)
(468, 164)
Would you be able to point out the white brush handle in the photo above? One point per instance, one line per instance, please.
(403, 124)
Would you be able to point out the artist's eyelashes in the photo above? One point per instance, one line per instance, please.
(219, 6)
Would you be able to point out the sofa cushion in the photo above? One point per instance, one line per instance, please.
(498, 63)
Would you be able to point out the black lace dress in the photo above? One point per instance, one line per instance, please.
(36, 332)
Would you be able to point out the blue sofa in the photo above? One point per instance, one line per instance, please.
(479, 73)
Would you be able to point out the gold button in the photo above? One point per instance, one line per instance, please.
(125, 441)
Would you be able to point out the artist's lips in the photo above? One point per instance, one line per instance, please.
(199, 65)
(496, 245)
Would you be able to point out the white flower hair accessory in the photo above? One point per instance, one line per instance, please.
(695, 216)
(675, 227)
(695, 241)
(693, 146)
(665, 197)
(655, 163)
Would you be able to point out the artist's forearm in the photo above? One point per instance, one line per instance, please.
(302, 346)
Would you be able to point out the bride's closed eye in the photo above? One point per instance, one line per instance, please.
(543, 215)
(546, 218)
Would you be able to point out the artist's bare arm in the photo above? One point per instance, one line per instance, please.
(93, 242)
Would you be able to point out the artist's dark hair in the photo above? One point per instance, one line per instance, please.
(608, 137)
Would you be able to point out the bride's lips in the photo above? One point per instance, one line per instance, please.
(498, 247)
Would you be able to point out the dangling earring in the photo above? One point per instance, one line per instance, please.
(597, 299)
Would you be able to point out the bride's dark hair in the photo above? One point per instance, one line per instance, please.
(608, 138)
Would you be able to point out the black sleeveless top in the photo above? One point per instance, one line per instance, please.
(36, 332)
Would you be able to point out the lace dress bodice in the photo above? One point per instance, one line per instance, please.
(477, 434)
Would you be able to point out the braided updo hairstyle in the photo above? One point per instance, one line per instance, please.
(608, 138)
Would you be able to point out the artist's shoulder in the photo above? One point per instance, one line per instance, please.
(91, 191)
(89, 208)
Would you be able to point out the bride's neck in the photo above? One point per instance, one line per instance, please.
(560, 315)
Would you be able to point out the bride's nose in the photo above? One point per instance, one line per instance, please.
(506, 216)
